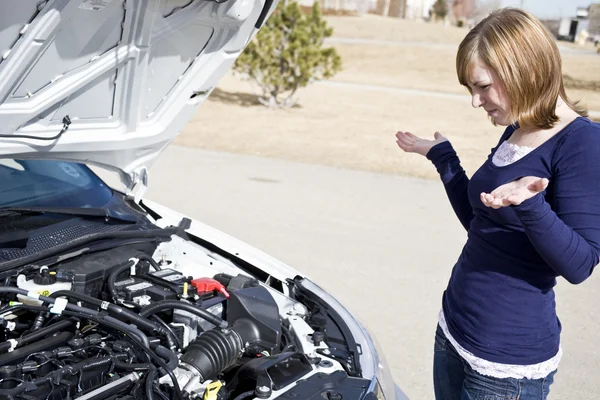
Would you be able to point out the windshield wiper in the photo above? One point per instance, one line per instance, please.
(85, 213)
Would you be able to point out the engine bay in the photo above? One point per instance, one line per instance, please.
(162, 321)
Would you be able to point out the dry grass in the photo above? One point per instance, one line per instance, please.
(411, 67)
(354, 128)
(433, 68)
(343, 127)
(330, 11)
(393, 29)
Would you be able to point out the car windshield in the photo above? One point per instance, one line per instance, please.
(49, 183)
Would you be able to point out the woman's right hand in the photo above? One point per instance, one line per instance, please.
(414, 144)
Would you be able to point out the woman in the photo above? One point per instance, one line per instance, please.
(532, 212)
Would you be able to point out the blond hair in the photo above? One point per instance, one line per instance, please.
(523, 53)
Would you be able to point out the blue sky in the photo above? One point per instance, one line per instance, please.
(550, 8)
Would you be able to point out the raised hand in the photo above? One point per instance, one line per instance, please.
(414, 144)
(515, 192)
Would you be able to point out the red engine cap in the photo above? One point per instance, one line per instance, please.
(209, 285)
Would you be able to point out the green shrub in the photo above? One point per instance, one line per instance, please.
(288, 53)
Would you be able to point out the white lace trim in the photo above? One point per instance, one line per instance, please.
(508, 153)
(502, 371)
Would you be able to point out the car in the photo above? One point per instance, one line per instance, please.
(107, 295)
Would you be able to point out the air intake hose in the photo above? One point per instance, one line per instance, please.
(253, 316)
(213, 352)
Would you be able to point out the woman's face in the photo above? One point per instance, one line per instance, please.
(487, 91)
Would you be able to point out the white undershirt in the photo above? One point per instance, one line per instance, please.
(506, 154)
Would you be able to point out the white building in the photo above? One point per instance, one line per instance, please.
(417, 9)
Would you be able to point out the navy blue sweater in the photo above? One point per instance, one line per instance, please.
(499, 303)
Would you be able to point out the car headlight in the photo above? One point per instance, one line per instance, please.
(372, 360)
(375, 392)
(383, 386)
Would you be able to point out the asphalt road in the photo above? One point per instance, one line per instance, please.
(384, 245)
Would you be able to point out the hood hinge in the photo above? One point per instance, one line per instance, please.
(136, 181)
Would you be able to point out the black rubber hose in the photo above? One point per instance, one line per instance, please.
(170, 304)
(150, 384)
(133, 367)
(112, 277)
(151, 260)
(159, 394)
(113, 323)
(51, 343)
(168, 355)
(136, 341)
(12, 326)
(126, 327)
(115, 310)
(245, 395)
(172, 339)
(81, 313)
(213, 352)
(17, 307)
(110, 321)
(39, 320)
(32, 337)
(33, 295)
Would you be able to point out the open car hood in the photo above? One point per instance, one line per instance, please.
(112, 82)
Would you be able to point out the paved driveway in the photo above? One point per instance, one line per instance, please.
(384, 245)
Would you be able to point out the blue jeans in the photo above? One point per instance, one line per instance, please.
(454, 379)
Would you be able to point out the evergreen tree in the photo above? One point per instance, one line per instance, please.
(287, 53)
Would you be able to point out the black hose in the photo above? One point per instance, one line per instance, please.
(136, 341)
(173, 339)
(32, 337)
(170, 304)
(115, 310)
(133, 367)
(51, 343)
(160, 394)
(39, 320)
(126, 327)
(113, 323)
(17, 307)
(151, 260)
(112, 277)
(168, 355)
(245, 395)
(14, 290)
(213, 352)
(84, 312)
(33, 295)
(133, 332)
(150, 384)
(13, 326)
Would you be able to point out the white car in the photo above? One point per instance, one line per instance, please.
(106, 295)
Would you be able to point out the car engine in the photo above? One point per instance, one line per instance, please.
(152, 321)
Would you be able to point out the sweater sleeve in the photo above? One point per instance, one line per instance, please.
(455, 180)
(568, 236)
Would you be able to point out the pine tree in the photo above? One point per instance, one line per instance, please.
(287, 53)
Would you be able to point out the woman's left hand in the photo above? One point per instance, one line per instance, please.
(515, 192)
